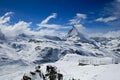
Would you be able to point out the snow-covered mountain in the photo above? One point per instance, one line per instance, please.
(110, 44)
(27, 49)
(51, 48)
(75, 35)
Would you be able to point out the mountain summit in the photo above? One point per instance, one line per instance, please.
(75, 35)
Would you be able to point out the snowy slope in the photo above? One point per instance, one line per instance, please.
(71, 70)
(14, 71)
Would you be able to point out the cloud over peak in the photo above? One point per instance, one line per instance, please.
(5, 18)
(79, 15)
(77, 19)
(12, 30)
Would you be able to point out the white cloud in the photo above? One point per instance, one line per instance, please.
(116, 10)
(112, 9)
(118, 0)
(24, 27)
(5, 18)
(113, 34)
(50, 26)
(77, 19)
(48, 18)
(16, 29)
(45, 24)
(79, 15)
(110, 34)
(47, 32)
(108, 19)
(80, 27)
(8, 14)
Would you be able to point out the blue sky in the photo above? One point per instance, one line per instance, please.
(101, 15)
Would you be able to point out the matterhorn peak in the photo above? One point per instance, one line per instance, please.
(73, 32)
(75, 35)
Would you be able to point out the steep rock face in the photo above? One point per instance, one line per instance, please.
(50, 72)
(48, 54)
(75, 35)
(2, 36)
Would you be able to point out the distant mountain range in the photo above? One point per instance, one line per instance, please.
(27, 49)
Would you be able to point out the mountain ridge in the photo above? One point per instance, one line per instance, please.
(52, 48)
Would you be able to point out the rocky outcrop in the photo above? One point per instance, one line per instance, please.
(50, 73)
